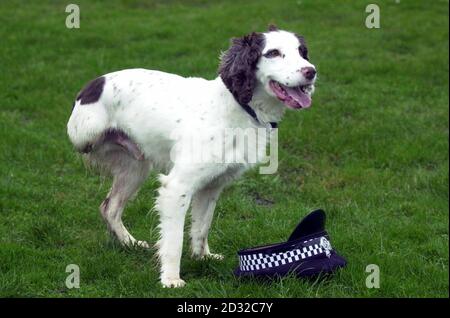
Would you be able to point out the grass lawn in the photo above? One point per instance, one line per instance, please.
(372, 151)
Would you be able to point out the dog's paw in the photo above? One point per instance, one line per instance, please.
(136, 244)
(142, 244)
(218, 257)
(213, 256)
(172, 282)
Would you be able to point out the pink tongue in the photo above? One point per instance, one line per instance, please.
(303, 99)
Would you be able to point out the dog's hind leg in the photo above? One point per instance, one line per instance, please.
(127, 181)
(203, 205)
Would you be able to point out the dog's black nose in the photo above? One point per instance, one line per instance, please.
(308, 72)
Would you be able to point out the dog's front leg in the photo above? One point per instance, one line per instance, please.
(203, 205)
(172, 204)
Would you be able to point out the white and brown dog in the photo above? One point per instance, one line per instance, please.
(123, 122)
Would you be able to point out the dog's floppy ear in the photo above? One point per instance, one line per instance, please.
(238, 66)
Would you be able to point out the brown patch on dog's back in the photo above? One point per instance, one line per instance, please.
(92, 91)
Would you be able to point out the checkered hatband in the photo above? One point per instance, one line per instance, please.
(295, 252)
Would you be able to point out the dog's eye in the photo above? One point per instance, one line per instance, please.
(303, 52)
(272, 53)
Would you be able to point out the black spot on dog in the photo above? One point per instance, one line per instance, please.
(104, 206)
(92, 91)
(303, 49)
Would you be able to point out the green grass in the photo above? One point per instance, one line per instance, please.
(372, 151)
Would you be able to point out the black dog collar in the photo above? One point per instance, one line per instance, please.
(252, 113)
(307, 252)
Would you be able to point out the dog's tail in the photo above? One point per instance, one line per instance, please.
(89, 118)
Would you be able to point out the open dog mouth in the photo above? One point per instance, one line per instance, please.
(293, 97)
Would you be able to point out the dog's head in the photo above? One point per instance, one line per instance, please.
(277, 60)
